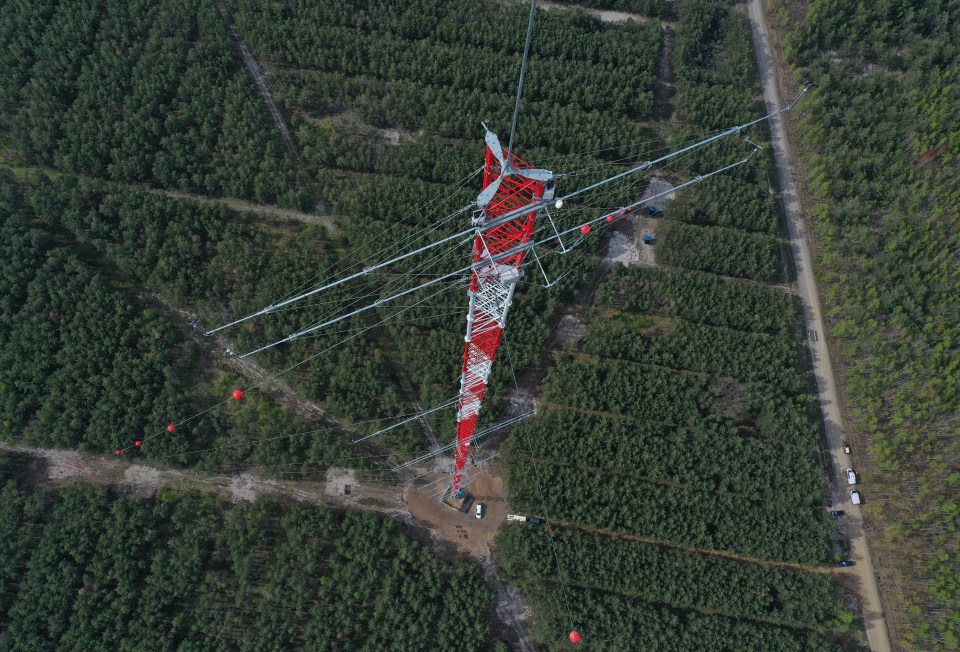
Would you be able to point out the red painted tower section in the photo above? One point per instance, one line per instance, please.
(491, 290)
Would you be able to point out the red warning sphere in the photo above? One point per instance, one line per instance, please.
(171, 428)
(609, 218)
(237, 394)
(574, 636)
(137, 443)
(117, 451)
(585, 229)
(103, 457)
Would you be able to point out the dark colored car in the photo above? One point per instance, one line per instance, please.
(847, 562)
(535, 521)
(837, 513)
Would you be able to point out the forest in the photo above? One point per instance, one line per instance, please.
(879, 143)
(84, 568)
(695, 364)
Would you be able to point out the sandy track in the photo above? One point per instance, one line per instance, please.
(874, 621)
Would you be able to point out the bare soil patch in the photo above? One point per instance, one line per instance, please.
(604, 15)
(570, 329)
(141, 481)
(468, 533)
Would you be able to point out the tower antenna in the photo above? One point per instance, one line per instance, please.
(523, 70)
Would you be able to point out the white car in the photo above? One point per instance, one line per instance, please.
(479, 510)
(855, 496)
(851, 477)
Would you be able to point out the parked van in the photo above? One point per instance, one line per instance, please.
(851, 477)
(479, 510)
(855, 496)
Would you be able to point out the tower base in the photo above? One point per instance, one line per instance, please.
(460, 502)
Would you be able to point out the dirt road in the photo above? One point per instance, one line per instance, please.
(244, 206)
(874, 622)
(257, 75)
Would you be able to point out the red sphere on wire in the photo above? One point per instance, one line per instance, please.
(103, 457)
(585, 229)
(574, 636)
(117, 451)
(137, 443)
(237, 394)
(609, 218)
(171, 428)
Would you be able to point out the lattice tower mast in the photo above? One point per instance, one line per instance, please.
(508, 184)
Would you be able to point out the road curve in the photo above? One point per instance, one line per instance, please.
(874, 622)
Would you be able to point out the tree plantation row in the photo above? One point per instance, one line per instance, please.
(559, 73)
(676, 397)
(698, 297)
(711, 455)
(682, 516)
(614, 622)
(682, 345)
(671, 576)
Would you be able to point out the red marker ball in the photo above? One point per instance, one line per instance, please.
(137, 443)
(574, 636)
(103, 457)
(117, 451)
(171, 428)
(237, 394)
(585, 229)
(609, 218)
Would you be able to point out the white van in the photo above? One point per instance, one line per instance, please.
(851, 477)
(855, 496)
(479, 510)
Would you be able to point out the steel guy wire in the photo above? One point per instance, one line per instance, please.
(493, 259)
(286, 370)
(395, 245)
(515, 213)
(290, 435)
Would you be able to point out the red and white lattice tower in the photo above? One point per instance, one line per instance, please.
(508, 184)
